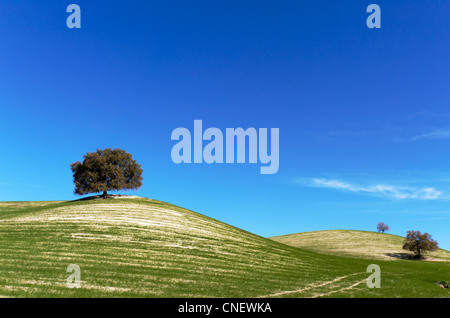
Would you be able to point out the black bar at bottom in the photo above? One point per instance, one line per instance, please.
(221, 307)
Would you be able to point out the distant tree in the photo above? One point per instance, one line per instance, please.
(106, 170)
(382, 227)
(419, 243)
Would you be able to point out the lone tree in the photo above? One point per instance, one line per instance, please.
(419, 243)
(382, 227)
(106, 170)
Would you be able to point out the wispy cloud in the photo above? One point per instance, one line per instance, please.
(438, 134)
(432, 219)
(391, 191)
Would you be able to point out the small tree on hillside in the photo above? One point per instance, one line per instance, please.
(382, 227)
(106, 170)
(419, 243)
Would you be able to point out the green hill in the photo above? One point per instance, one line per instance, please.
(145, 248)
(361, 244)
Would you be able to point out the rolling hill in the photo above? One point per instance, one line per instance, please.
(361, 244)
(139, 247)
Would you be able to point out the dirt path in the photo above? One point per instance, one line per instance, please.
(316, 285)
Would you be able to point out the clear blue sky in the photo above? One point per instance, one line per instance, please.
(364, 114)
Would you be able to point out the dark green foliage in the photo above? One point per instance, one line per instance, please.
(444, 284)
(419, 243)
(106, 170)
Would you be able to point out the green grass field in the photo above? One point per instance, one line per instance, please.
(145, 248)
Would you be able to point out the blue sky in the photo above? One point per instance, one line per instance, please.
(364, 114)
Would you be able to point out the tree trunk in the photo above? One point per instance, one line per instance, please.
(105, 195)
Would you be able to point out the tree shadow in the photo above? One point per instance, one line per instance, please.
(402, 256)
(98, 197)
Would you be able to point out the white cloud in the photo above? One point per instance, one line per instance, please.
(438, 134)
(395, 192)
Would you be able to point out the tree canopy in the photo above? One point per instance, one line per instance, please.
(419, 243)
(106, 170)
(382, 227)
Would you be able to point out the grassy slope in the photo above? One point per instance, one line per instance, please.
(361, 244)
(147, 248)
